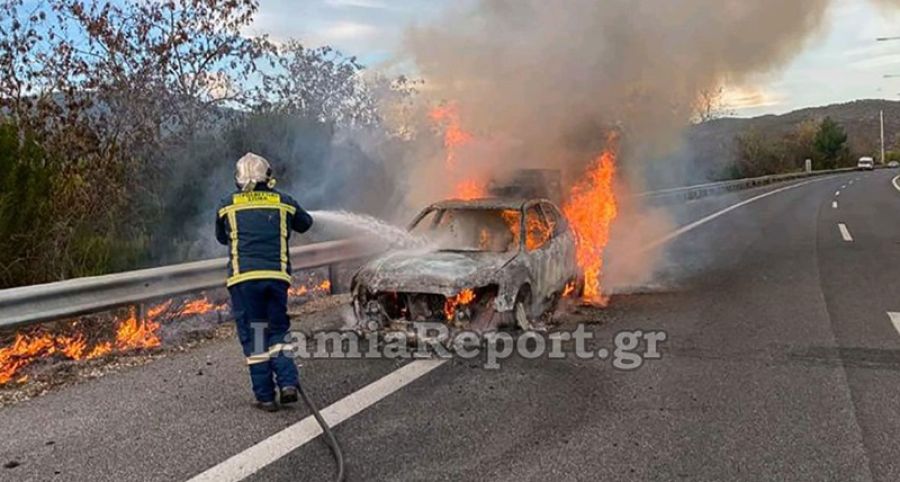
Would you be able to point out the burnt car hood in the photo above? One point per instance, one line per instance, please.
(444, 272)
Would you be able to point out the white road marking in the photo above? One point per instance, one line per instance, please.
(894, 182)
(253, 459)
(844, 186)
(837, 193)
(851, 182)
(845, 233)
(696, 224)
(834, 205)
(895, 320)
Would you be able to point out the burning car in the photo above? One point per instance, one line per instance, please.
(486, 264)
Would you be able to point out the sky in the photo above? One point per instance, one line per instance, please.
(372, 30)
(841, 63)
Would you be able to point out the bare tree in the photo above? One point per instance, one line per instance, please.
(107, 105)
(164, 68)
(103, 88)
(320, 84)
(710, 105)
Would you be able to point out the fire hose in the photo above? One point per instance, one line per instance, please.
(330, 439)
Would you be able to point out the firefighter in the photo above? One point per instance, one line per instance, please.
(255, 222)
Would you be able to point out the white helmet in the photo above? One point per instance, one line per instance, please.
(252, 170)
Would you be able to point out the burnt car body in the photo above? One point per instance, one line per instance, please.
(477, 271)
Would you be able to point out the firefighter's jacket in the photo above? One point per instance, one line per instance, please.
(256, 226)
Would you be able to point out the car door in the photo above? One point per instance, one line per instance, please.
(562, 247)
(539, 248)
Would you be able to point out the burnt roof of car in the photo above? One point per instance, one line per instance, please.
(483, 203)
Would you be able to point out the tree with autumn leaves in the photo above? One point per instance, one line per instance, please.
(109, 112)
(823, 141)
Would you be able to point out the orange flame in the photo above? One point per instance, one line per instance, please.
(131, 334)
(161, 308)
(72, 346)
(464, 297)
(569, 290)
(447, 115)
(511, 218)
(591, 209)
(134, 333)
(469, 189)
(199, 306)
(101, 349)
(455, 137)
(322, 288)
(21, 352)
(537, 232)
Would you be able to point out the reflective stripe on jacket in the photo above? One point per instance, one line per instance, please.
(256, 226)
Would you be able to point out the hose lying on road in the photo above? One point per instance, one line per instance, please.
(330, 438)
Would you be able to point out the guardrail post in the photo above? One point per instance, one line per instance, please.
(332, 279)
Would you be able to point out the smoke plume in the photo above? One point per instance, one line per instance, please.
(545, 79)
(542, 83)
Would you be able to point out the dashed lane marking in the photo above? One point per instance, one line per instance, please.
(895, 320)
(845, 233)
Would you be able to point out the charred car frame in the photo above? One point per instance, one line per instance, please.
(477, 271)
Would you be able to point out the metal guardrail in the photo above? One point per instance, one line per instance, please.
(704, 190)
(54, 301)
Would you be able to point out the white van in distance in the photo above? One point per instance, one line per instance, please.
(866, 164)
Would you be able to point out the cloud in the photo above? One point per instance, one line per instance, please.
(749, 97)
(877, 62)
(345, 31)
(369, 29)
(372, 4)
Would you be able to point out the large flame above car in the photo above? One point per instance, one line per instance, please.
(590, 205)
(591, 209)
(446, 116)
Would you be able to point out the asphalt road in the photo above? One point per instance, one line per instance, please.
(781, 363)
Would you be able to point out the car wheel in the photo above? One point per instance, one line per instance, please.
(557, 297)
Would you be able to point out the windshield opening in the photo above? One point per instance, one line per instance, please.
(488, 230)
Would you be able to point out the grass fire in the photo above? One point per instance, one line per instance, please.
(131, 331)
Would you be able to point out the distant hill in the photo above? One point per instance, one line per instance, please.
(711, 144)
